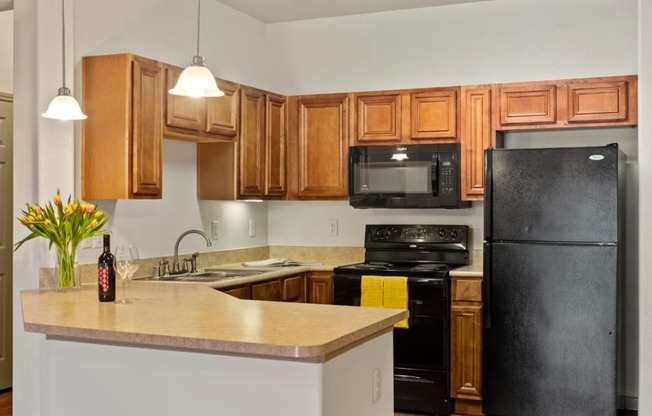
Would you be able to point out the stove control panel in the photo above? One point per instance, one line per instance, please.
(403, 233)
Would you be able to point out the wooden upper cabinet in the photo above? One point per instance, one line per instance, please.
(585, 102)
(275, 146)
(252, 142)
(378, 118)
(528, 104)
(121, 140)
(598, 101)
(433, 114)
(201, 119)
(406, 116)
(319, 140)
(222, 112)
(476, 135)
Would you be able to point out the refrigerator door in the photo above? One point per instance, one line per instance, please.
(561, 195)
(551, 347)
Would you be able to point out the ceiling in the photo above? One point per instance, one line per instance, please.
(6, 5)
(274, 11)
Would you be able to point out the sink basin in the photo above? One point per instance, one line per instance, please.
(209, 275)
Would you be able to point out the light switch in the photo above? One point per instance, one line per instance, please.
(215, 230)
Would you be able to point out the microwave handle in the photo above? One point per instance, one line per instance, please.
(434, 176)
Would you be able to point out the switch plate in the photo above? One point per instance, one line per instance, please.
(215, 230)
(252, 228)
(332, 228)
(87, 243)
(98, 241)
(375, 385)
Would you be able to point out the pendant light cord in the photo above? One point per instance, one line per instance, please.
(63, 42)
(198, 23)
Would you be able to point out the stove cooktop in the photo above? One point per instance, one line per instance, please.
(421, 268)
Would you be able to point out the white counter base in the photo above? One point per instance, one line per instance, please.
(109, 380)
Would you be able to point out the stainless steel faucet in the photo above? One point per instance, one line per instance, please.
(175, 264)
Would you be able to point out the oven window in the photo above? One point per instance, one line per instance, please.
(393, 177)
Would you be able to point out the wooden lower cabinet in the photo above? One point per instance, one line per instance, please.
(466, 344)
(320, 287)
(284, 289)
(243, 292)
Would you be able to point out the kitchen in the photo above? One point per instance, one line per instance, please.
(284, 223)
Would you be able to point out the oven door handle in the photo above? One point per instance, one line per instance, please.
(411, 379)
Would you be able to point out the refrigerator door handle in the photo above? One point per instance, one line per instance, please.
(488, 181)
(486, 286)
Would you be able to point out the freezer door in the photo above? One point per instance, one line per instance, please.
(553, 194)
(551, 347)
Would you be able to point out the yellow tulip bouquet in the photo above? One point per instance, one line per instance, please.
(65, 227)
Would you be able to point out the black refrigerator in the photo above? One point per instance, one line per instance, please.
(552, 271)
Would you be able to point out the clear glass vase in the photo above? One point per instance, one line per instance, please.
(66, 271)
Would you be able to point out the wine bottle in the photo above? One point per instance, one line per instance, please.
(106, 273)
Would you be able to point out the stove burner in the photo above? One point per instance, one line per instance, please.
(374, 265)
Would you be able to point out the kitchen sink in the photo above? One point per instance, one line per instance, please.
(209, 275)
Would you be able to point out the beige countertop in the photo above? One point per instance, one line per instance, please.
(197, 317)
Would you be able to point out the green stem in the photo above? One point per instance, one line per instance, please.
(66, 263)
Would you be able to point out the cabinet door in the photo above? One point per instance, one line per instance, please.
(323, 138)
(251, 142)
(222, 112)
(183, 112)
(597, 102)
(321, 288)
(147, 76)
(466, 351)
(294, 289)
(528, 104)
(268, 291)
(378, 118)
(476, 135)
(433, 114)
(243, 292)
(275, 146)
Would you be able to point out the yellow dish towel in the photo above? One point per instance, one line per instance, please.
(395, 296)
(385, 292)
(371, 289)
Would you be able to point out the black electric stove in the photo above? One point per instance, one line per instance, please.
(424, 254)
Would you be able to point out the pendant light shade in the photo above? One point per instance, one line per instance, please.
(64, 106)
(197, 80)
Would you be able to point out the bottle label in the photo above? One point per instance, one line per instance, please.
(103, 277)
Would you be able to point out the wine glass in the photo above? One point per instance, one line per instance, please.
(126, 264)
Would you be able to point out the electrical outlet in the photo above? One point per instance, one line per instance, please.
(215, 230)
(98, 241)
(332, 228)
(252, 228)
(375, 385)
(87, 243)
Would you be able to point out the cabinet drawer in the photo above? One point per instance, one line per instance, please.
(294, 289)
(267, 291)
(467, 290)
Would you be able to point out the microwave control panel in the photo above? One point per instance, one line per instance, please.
(448, 175)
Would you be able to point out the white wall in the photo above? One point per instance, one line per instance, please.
(306, 223)
(645, 228)
(7, 51)
(493, 41)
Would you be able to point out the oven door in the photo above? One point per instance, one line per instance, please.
(424, 345)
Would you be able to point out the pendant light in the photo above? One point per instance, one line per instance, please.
(197, 80)
(64, 106)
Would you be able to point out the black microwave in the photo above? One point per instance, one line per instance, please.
(406, 176)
